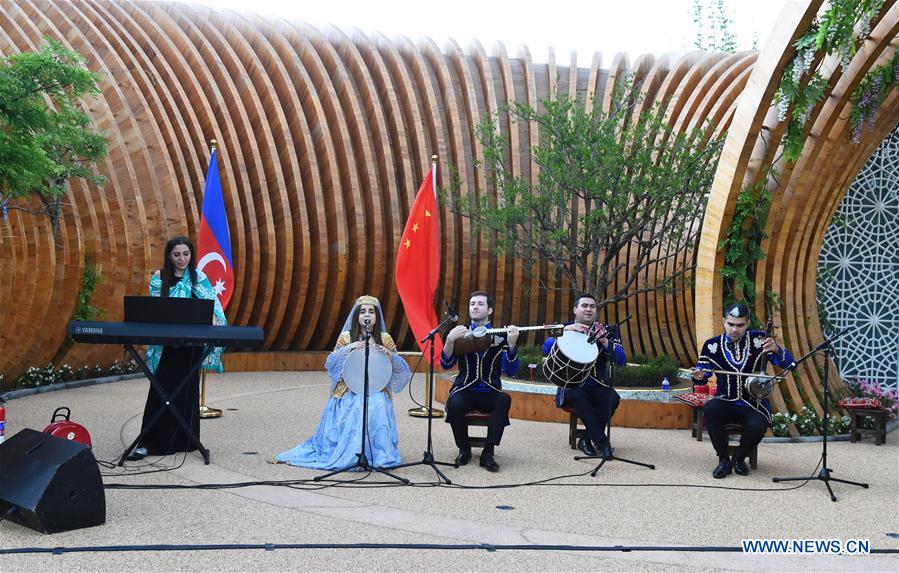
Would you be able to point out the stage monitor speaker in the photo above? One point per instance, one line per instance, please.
(52, 483)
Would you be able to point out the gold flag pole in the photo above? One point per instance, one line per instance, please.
(206, 411)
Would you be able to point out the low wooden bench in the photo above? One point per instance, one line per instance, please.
(880, 424)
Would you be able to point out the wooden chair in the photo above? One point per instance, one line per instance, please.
(698, 428)
(477, 418)
(575, 430)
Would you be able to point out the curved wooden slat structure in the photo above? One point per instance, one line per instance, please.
(324, 136)
(806, 194)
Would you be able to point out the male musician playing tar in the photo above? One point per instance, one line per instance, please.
(741, 350)
(594, 401)
(478, 385)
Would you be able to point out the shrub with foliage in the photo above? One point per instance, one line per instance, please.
(34, 377)
(530, 355)
(648, 374)
(780, 424)
(808, 422)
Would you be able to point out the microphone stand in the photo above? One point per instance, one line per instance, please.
(824, 474)
(428, 456)
(612, 456)
(361, 458)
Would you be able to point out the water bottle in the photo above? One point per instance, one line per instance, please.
(666, 390)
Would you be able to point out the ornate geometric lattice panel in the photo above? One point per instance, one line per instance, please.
(858, 271)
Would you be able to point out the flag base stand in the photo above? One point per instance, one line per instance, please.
(425, 412)
(206, 411)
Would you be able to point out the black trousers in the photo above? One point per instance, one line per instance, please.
(595, 405)
(464, 401)
(718, 413)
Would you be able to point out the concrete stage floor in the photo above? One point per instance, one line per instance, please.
(449, 528)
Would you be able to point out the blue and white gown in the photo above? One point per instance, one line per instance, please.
(339, 434)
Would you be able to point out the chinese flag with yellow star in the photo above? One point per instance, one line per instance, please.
(418, 264)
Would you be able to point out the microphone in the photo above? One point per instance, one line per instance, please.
(450, 313)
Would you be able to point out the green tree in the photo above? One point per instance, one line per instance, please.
(45, 136)
(713, 27)
(618, 195)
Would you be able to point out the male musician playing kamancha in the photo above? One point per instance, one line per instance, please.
(478, 385)
(594, 400)
(741, 350)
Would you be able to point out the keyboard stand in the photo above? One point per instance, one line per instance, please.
(154, 382)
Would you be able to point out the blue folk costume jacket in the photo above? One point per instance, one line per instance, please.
(746, 356)
(480, 371)
(599, 372)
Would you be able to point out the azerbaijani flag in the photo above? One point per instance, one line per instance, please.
(214, 248)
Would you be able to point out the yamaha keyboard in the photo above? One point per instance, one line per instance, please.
(165, 334)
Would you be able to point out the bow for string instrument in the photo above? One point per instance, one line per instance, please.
(482, 338)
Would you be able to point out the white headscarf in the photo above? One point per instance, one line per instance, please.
(365, 299)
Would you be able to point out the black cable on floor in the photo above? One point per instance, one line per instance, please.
(411, 546)
(311, 485)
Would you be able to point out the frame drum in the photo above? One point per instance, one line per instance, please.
(380, 369)
(571, 359)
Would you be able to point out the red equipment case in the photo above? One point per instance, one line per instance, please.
(67, 429)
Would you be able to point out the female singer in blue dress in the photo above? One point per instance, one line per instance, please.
(339, 434)
(178, 278)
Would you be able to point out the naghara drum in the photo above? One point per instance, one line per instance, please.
(571, 359)
(380, 369)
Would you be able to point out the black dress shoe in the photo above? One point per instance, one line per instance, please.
(585, 446)
(488, 462)
(606, 451)
(464, 456)
(740, 467)
(724, 468)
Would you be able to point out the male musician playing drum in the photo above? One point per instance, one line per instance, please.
(744, 351)
(594, 400)
(478, 385)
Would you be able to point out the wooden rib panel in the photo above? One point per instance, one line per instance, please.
(223, 119)
(475, 182)
(302, 113)
(458, 146)
(360, 194)
(263, 113)
(379, 99)
(293, 282)
(330, 80)
(369, 137)
(394, 83)
(254, 145)
(319, 97)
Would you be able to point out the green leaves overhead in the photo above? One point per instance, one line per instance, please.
(45, 135)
